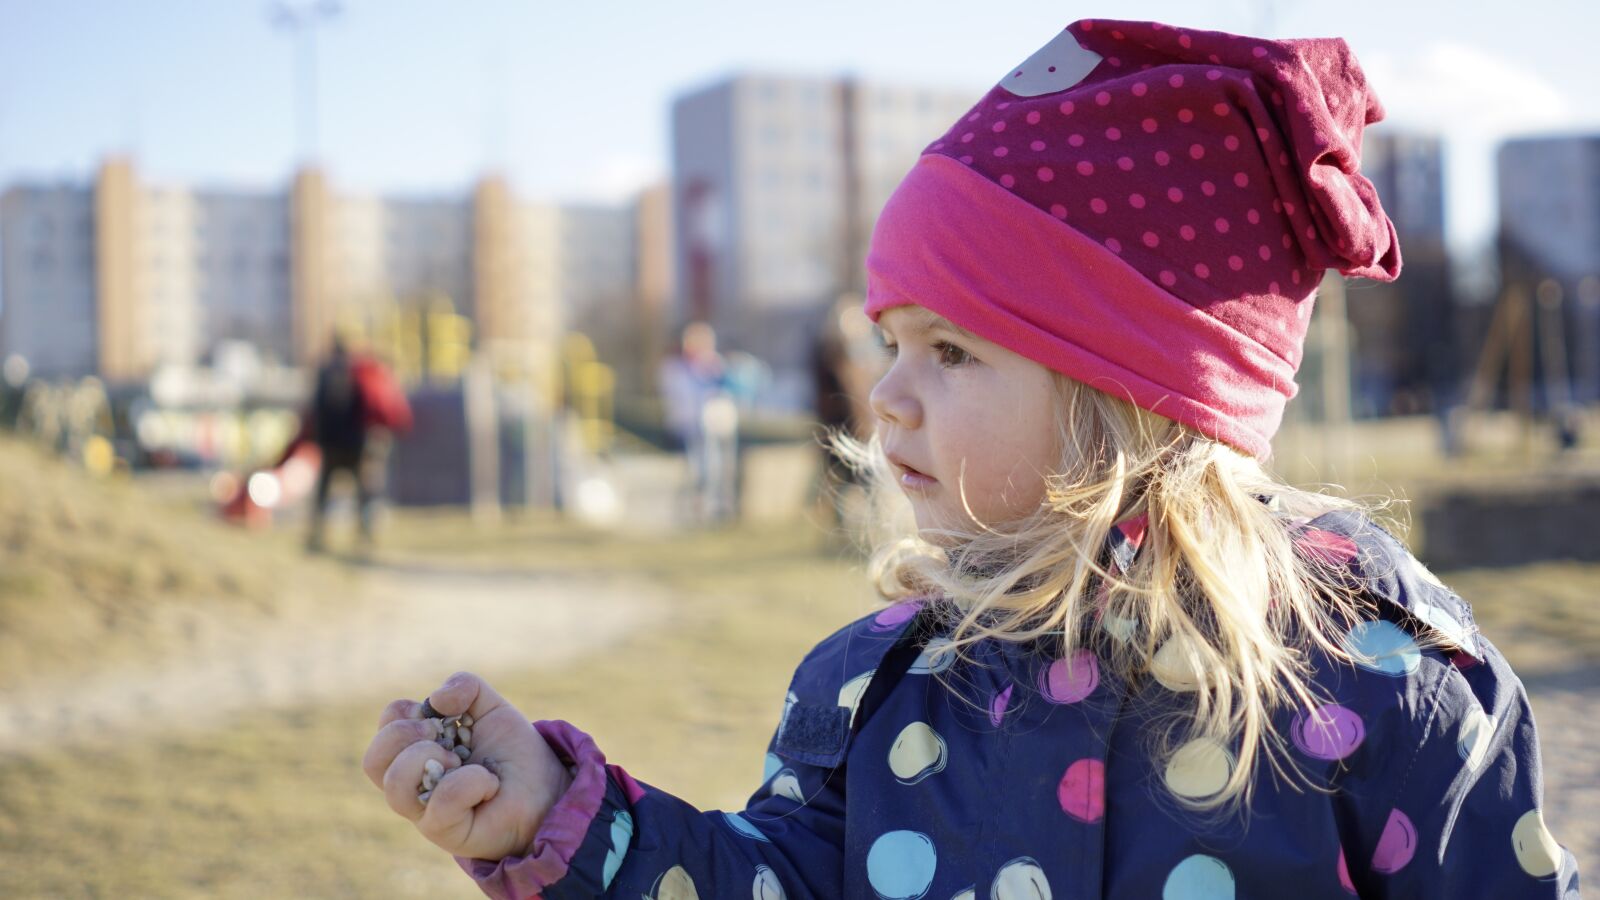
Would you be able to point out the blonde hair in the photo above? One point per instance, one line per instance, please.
(1217, 604)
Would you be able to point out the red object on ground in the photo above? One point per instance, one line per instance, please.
(240, 509)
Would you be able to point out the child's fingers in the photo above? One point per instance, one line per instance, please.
(400, 709)
(448, 819)
(403, 778)
(390, 740)
(465, 692)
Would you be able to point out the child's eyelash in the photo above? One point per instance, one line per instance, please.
(944, 348)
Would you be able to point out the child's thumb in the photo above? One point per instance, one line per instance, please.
(465, 692)
(447, 819)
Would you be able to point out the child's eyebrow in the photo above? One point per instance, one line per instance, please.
(926, 322)
(948, 326)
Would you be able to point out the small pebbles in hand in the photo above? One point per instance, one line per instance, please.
(455, 735)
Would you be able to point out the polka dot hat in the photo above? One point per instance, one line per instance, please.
(1148, 209)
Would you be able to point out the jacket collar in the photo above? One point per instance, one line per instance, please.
(1127, 536)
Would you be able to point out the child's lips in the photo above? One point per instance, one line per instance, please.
(913, 478)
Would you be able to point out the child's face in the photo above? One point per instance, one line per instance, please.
(951, 399)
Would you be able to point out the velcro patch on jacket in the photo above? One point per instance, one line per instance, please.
(815, 735)
(829, 685)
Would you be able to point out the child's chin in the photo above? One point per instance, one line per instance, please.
(935, 529)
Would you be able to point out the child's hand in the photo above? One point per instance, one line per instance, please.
(486, 808)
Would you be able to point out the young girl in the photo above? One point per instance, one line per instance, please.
(1122, 660)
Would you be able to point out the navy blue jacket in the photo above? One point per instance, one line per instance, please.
(1021, 776)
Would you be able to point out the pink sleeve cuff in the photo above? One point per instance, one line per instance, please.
(564, 827)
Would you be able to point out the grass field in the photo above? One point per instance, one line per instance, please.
(269, 801)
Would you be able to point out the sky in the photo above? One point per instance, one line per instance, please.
(571, 99)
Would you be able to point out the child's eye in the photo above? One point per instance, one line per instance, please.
(951, 355)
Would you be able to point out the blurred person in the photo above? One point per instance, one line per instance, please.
(1122, 658)
(1569, 427)
(13, 384)
(356, 411)
(840, 385)
(696, 390)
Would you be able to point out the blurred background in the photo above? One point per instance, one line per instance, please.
(345, 344)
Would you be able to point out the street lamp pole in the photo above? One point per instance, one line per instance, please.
(300, 20)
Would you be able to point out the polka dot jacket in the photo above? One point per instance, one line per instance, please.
(895, 775)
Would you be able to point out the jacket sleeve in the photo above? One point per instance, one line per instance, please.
(613, 836)
(1467, 818)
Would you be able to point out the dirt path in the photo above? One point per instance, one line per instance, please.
(405, 630)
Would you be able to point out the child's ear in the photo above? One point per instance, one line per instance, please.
(1054, 67)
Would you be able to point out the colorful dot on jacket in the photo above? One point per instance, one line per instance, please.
(1199, 877)
(901, 864)
(918, 752)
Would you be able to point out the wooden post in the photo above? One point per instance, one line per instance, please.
(1553, 343)
(1508, 346)
(483, 441)
(1520, 333)
(1496, 344)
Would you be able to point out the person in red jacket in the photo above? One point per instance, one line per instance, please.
(356, 410)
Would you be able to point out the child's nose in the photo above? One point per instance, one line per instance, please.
(892, 404)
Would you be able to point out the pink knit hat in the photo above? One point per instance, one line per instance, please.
(1148, 210)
